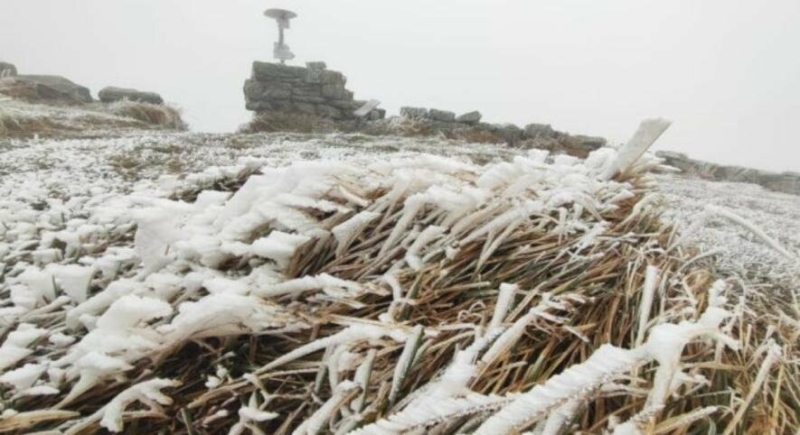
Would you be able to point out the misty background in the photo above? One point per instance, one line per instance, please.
(727, 73)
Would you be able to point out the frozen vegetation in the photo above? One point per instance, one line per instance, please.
(348, 284)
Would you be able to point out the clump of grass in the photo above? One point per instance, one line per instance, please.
(157, 115)
(408, 308)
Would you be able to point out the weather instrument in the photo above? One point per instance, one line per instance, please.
(280, 50)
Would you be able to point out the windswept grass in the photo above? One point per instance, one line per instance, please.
(157, 115)
(415, 296)
(24, 120)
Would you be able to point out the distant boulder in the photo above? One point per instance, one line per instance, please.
(442, 115)
(112, 94)
(470, 118)
(44, 90)
(413, 112)
(57, 88)
(7, 69)
(534, 131)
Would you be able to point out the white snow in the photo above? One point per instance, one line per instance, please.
(130, 265)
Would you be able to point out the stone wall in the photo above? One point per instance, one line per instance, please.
(786, 182)
(313, 90)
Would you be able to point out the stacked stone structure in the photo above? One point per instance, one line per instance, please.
(313, 90)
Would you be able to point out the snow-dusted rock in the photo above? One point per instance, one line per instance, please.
(473, 117)
(111, 94)
(7, 69)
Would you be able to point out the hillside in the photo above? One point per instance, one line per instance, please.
(298, 283)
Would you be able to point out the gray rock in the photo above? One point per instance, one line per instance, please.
(111, 94)
(333, 77)
(509, 132)
(304, 108)
(328, 111)
(7, 69)
(346, 105)
(57, 87)
(334, 91)
(265, 71)
(276, 91)
(253, 89)
(365, 110)
(314, 73)
(282, 105)
(413, 112)
(533, 131)
(376, 114)
(308, 99)
(442, 115)
(316, 65)
(589, 143)
(470, 118)
(258, 106)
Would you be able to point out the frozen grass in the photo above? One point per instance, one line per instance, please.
(738, 251)
(25, 120)
(158, 115)
(370, 293)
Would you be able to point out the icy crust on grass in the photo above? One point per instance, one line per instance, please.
(122, 277)
(104, 275)
(738, 250)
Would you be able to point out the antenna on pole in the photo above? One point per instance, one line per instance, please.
(280, 50)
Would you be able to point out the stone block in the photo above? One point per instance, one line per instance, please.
(376, 114)
(253, 89)
(413, 112)
(314, 73)
(533, 131)
(334, 91)
(276, 91)
(327, 111)
(7, 69)
(333, 77)
(304, 107)
(441, 115)
(258, 106)
(509, 132)
(111, 94)
(308, 99)
(265, 71)
(470, 118)
(57, 87)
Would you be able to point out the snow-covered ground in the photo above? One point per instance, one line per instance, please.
(37, 176)
(739, 252)
(68, 209)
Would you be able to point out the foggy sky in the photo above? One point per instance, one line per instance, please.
(726, 72)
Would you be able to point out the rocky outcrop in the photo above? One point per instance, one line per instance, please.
(442, 115)
(59, 88)
(112, 94)
(786, 182)
(313, 90)
(414, 112)
(470, 118)
(468, 126)
(7, 69)
(45, 90)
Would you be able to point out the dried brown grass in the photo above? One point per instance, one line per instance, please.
(157, 115)
(603, 290)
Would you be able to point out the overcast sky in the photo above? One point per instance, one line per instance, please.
(726, 72)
